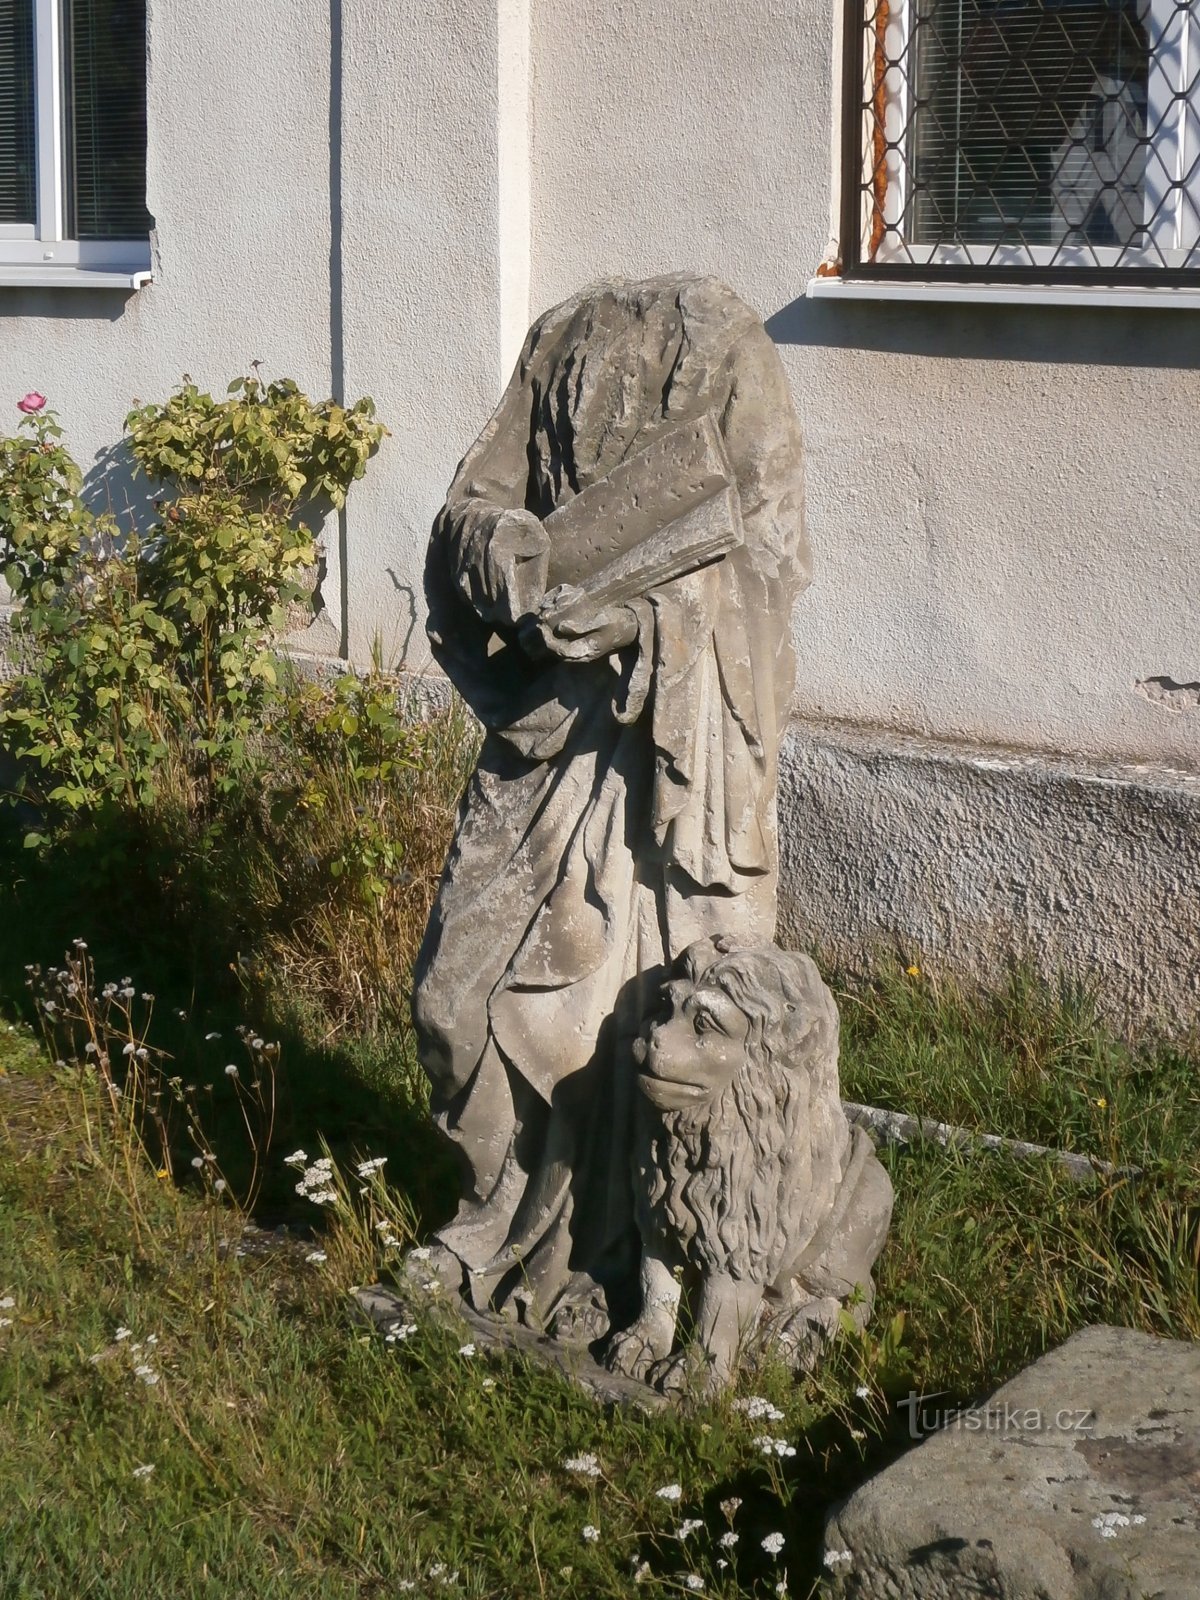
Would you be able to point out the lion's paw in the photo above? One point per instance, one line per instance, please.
(690, 1371)
(633, 1352)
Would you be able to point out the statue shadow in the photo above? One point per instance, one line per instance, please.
(122, 888)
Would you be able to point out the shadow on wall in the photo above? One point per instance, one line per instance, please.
(66, 305)
(112, 484)
(1059, 335)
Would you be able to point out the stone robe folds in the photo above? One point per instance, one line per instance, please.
(621, 808)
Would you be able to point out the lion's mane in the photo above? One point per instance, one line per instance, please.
(742, 1184)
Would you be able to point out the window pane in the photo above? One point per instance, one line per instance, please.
(1029, 122)
(106, 95)
(18, 202)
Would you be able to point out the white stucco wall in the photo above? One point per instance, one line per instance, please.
(238, 170)
(1001, 501)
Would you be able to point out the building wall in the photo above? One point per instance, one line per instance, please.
(375, 200)
(1001, 500)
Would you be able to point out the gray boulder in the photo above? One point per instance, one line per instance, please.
(1078, 1480)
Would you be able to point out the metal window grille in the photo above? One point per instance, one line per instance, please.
(1019, 139)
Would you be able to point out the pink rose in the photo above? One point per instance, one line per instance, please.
(32, 403)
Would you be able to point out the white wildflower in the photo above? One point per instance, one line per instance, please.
(488, 1383)
(366, 1168)
(688, 1527)
(728, 1540)
(755, 1407)
(298, 1158)
(400, 1331)
(863, 1392)
(7, 1303)
(641, 1572)
(316, 1257)
(122, 1334)
(773, 1447)
(773, 1543)
(694, 1582)
(143, 1472)
(6, 1322)
(590, 1533)
(466, 1349)
(857, 1434)
(151, 1339)
(383, 1226)
(669, 1491)
(586, 1466)
(837, 1558)
(208, 1039)
(421, 1253)
(147, 1374)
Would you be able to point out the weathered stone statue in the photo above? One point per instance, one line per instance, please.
(609, 586)
(748, 1176)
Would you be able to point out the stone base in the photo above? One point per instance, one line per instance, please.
(1079, 1480)
(383, 1306)
(970, 858)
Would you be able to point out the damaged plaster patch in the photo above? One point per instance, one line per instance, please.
(1171, 696)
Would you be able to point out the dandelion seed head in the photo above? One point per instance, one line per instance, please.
(231, 1070)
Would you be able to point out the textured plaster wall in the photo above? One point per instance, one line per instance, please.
(421, 274)
(1001, 501)
(967, 858)
(238, 181)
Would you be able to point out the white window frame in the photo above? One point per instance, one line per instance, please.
(1174, 39)
(38, 255)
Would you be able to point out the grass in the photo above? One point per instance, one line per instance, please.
(295, 1453)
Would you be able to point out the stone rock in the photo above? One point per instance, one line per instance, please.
(1077, 1480)
(609, 586)
(748, 1175)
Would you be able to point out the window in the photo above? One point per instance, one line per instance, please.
(1018, 140)
(73, 141)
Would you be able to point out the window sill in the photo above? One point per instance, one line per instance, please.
(19, 275)
(1002, 294)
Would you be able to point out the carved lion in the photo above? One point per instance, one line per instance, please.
(750, 1181)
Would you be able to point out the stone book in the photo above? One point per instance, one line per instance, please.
(665, 512)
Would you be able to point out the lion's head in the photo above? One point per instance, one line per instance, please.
(747, 1140)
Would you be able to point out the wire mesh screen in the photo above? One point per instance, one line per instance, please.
(1000, 136)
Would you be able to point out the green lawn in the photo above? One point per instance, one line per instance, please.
(295, 1454)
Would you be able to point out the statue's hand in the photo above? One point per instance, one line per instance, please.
(581, 636)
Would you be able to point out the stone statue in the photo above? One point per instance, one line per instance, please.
(609, 586)
(748, 1175)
